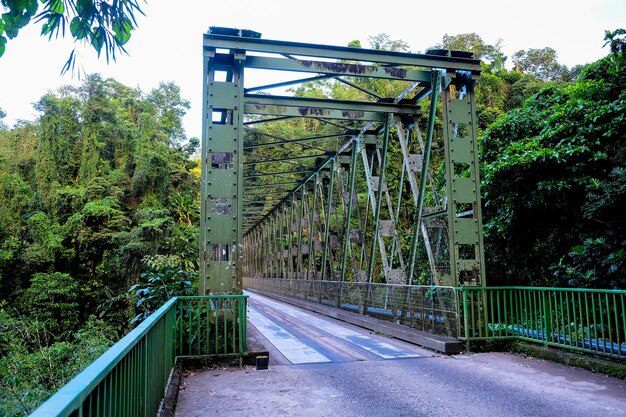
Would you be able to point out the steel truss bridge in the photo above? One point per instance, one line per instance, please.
(364, 189)
(349, 202)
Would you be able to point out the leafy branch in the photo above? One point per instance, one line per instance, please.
(104, 24)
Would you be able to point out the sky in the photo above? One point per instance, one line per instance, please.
(167, 46)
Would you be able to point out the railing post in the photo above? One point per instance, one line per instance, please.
(465, 319)
(547, 317)
(244, 324)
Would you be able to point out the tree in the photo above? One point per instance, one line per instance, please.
(616, 41)
(554, 184)
(98, 183)
(384, 42)
(3, 114)
(55, 300)
(105, 24)
(472, 42)
(170, 108)
(542, 63)
(32, 367)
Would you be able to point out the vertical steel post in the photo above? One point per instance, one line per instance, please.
(312, 229)
(466, 250)
(379, 198)
(327, 225)
(300, 267)
(346, 247)
(396, 218)
(222, 174)
(417, 218)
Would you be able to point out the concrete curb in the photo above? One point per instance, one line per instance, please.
(168, 404)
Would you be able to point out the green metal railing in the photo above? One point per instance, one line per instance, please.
(586, 320)
(129, 379)
(211, 325)
(432, 309)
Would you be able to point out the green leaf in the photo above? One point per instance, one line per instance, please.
(3, 42)
(122, 32)
(31, 7)
(10, 29)
(56, 6)
(75, 27)
(21, 20)
(47, 28)
(79, 29)
(98, 38)
(85, 8)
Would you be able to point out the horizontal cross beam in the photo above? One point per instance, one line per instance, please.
(315, 107)
(337, 68)
(212, 41)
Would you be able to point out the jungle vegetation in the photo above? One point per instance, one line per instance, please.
(100, 193)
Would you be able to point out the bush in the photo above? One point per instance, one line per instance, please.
(54, 299)
(32, 369)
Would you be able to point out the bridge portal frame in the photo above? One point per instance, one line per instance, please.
(335, 214)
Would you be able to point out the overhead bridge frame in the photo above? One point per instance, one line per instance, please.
(357, 198)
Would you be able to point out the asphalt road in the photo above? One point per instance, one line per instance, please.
(350, 372)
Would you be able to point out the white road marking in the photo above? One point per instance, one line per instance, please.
(372, 345)
(293, 349)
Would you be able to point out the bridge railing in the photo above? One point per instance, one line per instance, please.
(426, 308)
(587, 320)
(129, 379)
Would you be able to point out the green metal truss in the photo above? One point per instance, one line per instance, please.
(354, 199)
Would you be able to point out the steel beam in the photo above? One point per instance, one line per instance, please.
(294, 141)
(288, 158)
(315, 107)
(341, 53)
(271, 174)
(337, 68)
(221, 176)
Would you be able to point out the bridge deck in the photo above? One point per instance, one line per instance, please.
(344, 370)
(297, 336)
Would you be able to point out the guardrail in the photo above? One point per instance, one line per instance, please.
(209, 326)
(129, 379)
(427, 308)
(586, 320)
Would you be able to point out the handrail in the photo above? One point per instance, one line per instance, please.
(560, 289)
(423, 307)
(129, 378)
(580, 319)
(71, 396)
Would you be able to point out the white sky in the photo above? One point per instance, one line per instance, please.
(168, 44)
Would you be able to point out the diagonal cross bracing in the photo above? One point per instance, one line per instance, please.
(363, 209)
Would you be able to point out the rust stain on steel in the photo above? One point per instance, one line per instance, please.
(311, 111)
(395, 72)
(271, 109)
(340, 67)
(353, 114)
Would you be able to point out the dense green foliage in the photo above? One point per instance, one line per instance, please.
(99, 194)
(33, 366)
(554, 183)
